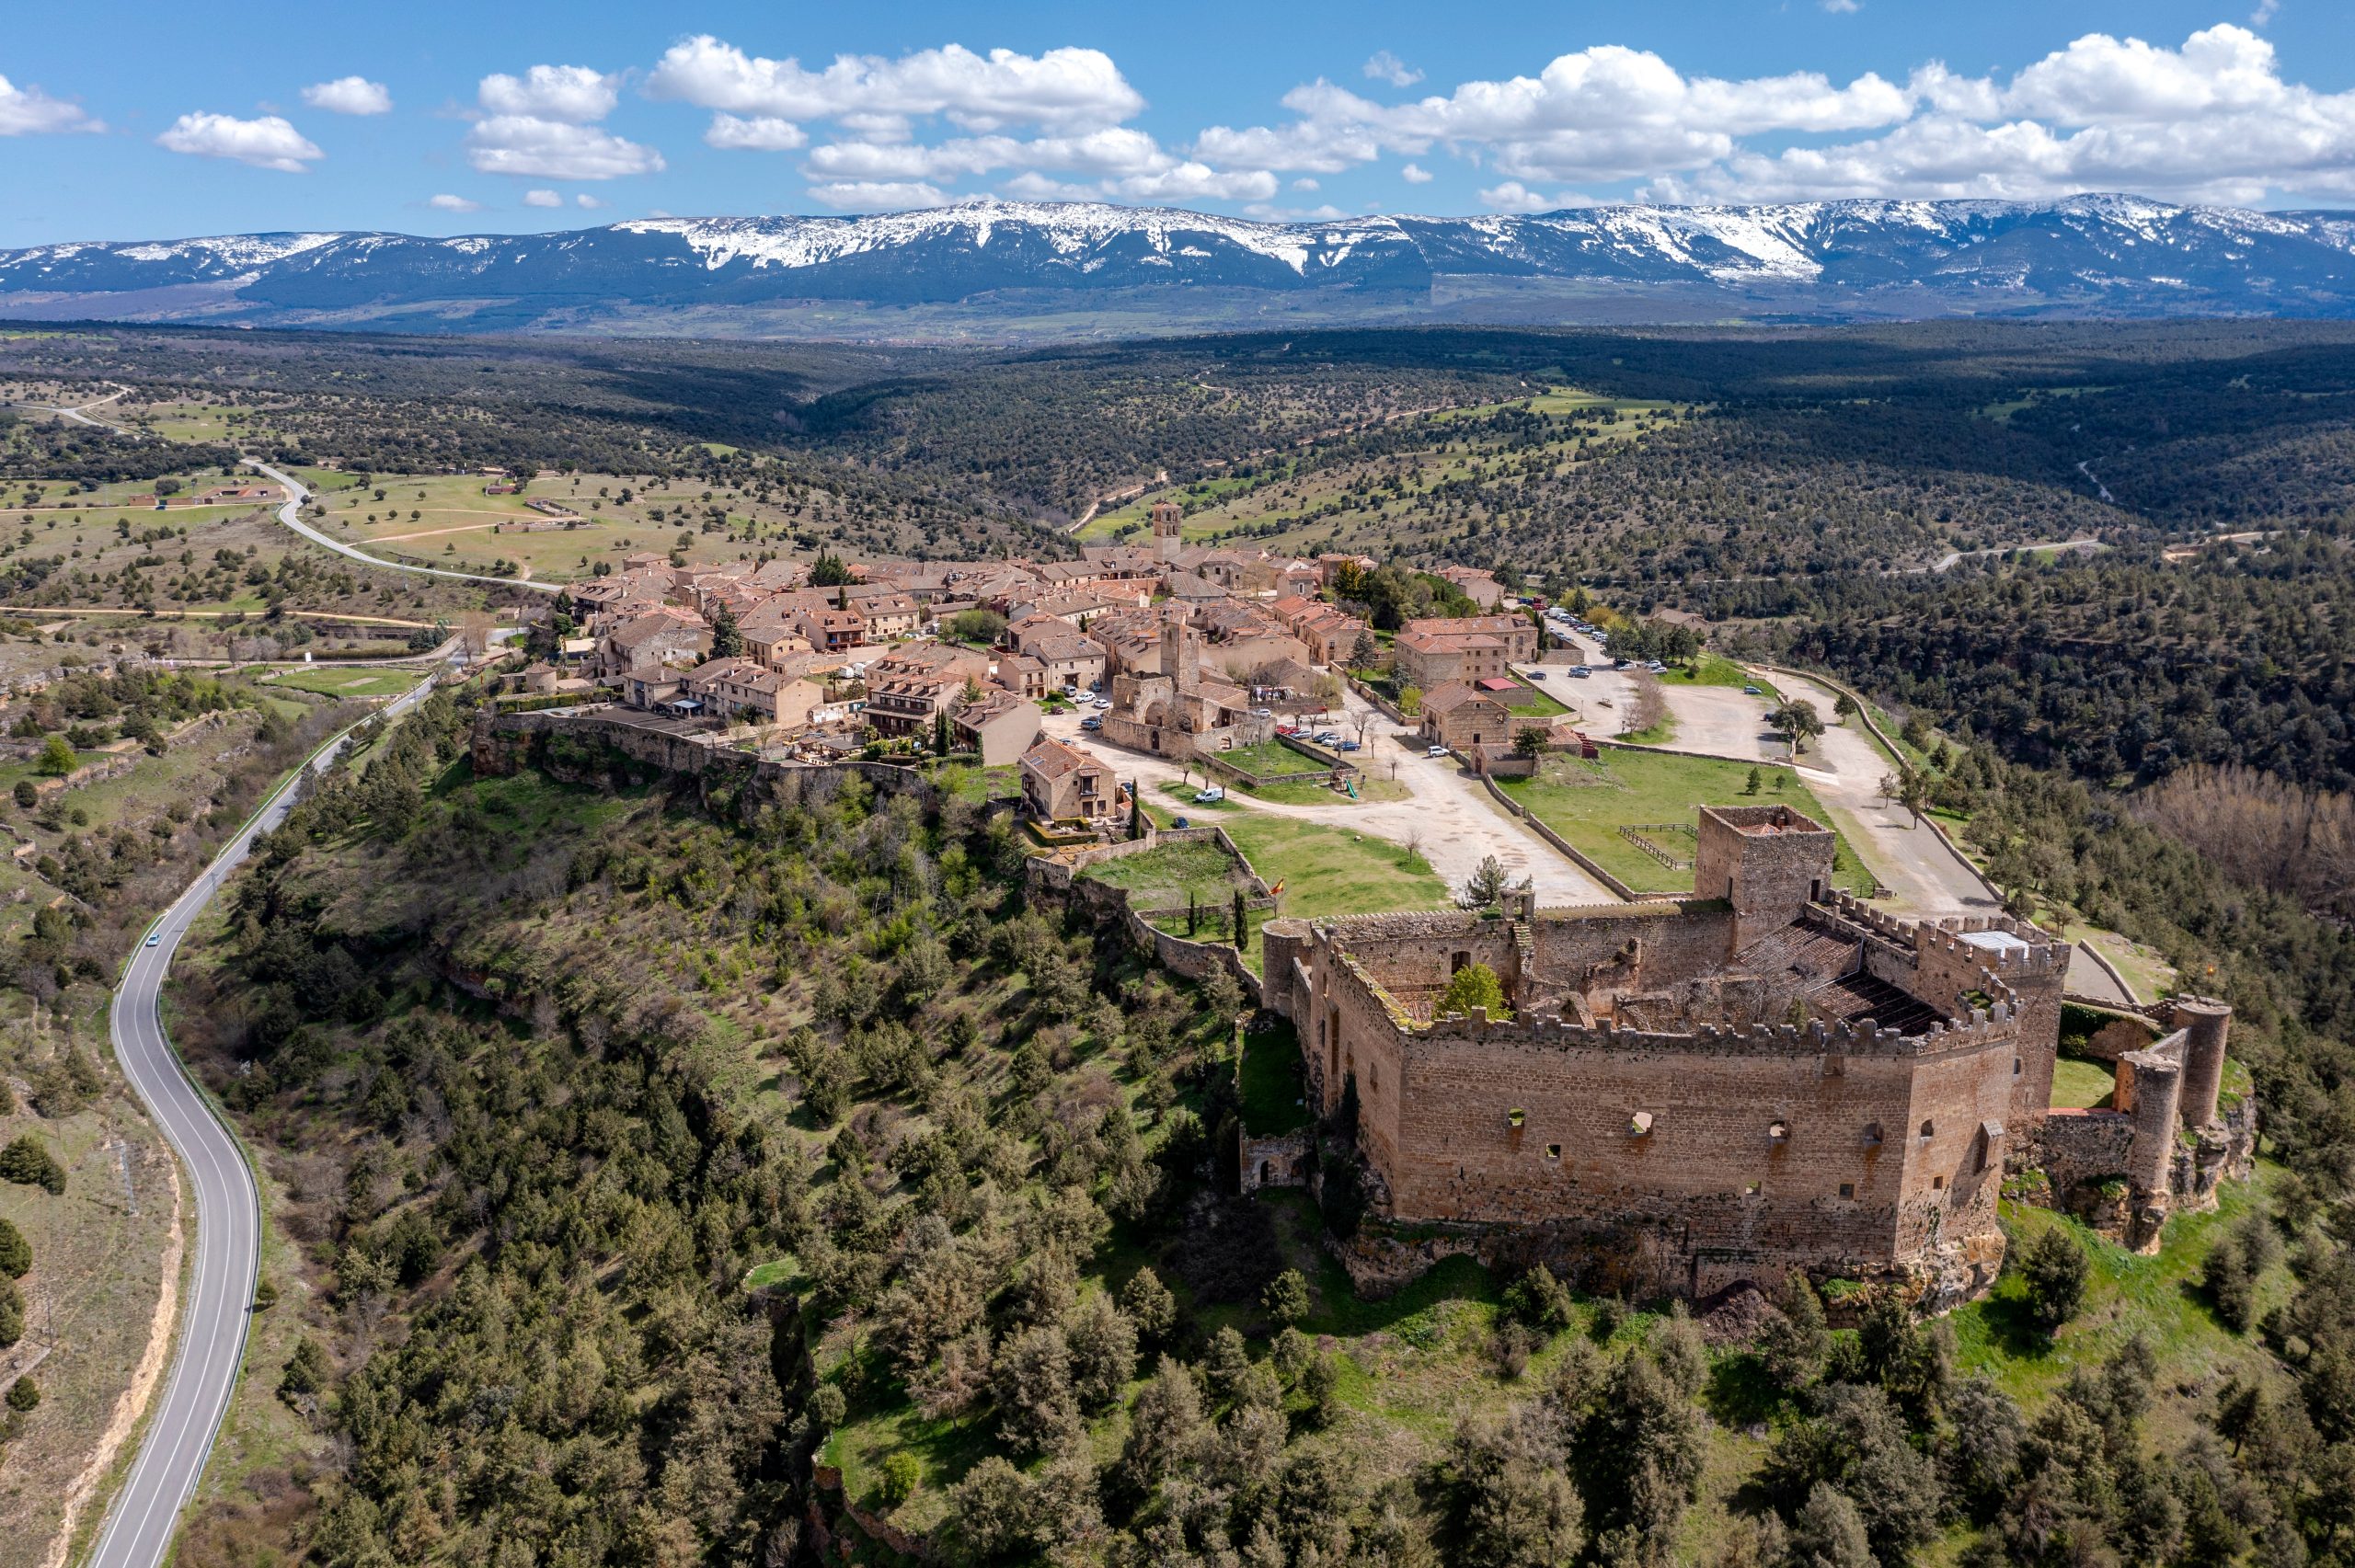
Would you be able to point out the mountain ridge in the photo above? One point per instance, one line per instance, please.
(2093, 254)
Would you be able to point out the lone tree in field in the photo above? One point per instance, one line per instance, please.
(56, 757)
(2055, 1272)
(1798, 722)
(1529, 739)
(1485, 885)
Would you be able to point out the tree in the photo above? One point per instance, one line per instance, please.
(1032, 1383)
(28, 1160)
(305, 1373)
(1103, 1352)
(1242, 924)
(1796, 1342)
(1286, 1298)
(1754, 783)
(26, 794)
(1366, 652)
(2055, 1272)
(1829, 1533)
(1410, 700)
(828, 571)
(1515, 1506)
(1844, 707)
(12, 1314)
(1149, 1304)
(1485, 885)
(1914, 792)
(1474, 985)
(1530, 739)
(727, 637)
(1856, 1444)
(16, 1253)
(1137, 818)
(1798, 721)
(940, 732)
(56, 757)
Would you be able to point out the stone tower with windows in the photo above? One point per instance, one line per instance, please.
(1167, 519)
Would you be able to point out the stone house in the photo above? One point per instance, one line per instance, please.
(1064, 783)
(1001, 727)
(1461, 717)
(1431, 660)
(1516, 632)
(1478, 586)
(1070, 655)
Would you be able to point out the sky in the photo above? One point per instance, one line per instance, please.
(129, 122)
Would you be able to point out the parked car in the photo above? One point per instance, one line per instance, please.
(1620, 663)
(1657, 667)
(1179, 822)
(1346, 746)
(1210, 796)
(1436, 751)
(1263, 713)
(1536, 674)
(1751, 692)
(1103, 702)
(1091, 722)
(1580, 672)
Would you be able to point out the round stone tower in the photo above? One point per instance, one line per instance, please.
(2206, 1024)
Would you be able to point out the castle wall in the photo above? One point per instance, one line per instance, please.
(1674, 941)
(1768, 862)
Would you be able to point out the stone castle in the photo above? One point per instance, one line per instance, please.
(1691, 1094)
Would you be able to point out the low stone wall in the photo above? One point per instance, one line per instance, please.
(1278, 1162)
(1381, 704)
(1579, 857)
(1194, 960)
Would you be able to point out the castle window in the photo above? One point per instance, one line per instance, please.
(1639, 1124)
(1928, 1131)
(1847, 1189)
(1552, 1152)
(1457, 961)
(1872, 1135)
(2016, 1067)
(1938, 1184)
(1778, 1132)
(1513, 1118)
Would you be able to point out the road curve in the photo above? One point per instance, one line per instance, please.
(290, 514)
(145, 1514)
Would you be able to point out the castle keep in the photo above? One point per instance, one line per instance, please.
(1769, 1075)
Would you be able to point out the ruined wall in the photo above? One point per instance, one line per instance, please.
(1674, 942)
(1768, 862)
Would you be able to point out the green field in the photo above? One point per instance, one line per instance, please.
(1587, 803)
(1167, 876)
(2082, 1083)
(1331, 871)
(1270, 758)
(332, 682)
(1270, 1081)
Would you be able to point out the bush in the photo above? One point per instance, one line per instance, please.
(23, 1395)
(28, 1160)
(16, 1253)
(12, 1314)
(2055, 1272)
(901, 1473)
(305, 1373)
(1286, 1297)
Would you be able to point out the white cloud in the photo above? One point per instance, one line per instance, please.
(27, 111)
(1321, 214)
(267, 142)
(1305, 184)
(350, 95)
(761, 134)
(571, 93)
(1844, 7)
(1060, 88)
(554, 149)
(1514, 197)
(582, 198)
(447, 203)
(1415, 174)
(1385, 66)
(2266, 11)
(877, 196)
(2212, 120)
(542, 199)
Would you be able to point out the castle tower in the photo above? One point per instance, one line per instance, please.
(1766, 860)
(1181, 652)
(2205, 1025)
(1166, 517)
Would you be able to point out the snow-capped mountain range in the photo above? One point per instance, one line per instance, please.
(2096, 254)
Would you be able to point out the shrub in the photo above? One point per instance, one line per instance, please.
(2055, 1271)
(901, 1473)
(16, 1253)
(23, 1395)
(28, 1160)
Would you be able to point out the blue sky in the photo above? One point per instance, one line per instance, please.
(122, 122)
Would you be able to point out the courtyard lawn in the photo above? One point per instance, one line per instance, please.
(1332, 871)
(1270, 758)
(1270, 1084)
(1588, 803)
(1165, 876)
(1527, 701)
(2081, 1084)
(345, 682)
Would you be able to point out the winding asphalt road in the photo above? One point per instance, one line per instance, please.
(182, 1425)
(290, 514)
